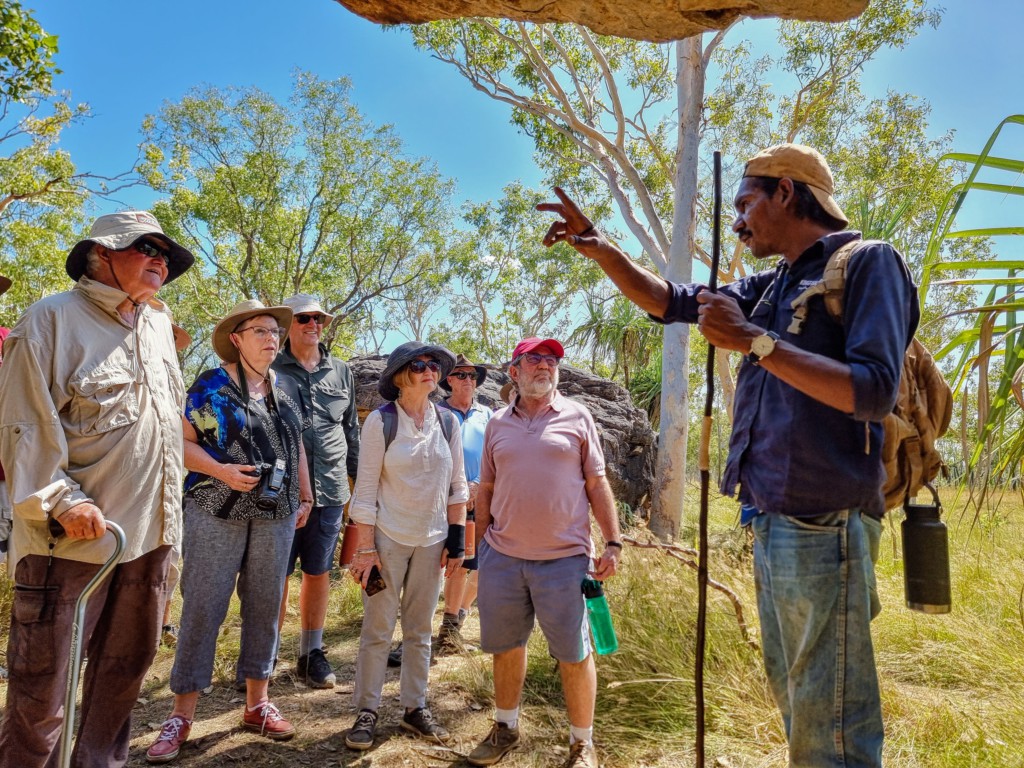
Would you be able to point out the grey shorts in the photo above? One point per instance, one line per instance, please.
(316, 541)
(512, 592)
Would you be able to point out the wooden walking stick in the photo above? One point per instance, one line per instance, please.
(704, 464)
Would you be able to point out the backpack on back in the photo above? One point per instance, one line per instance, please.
(924, 404)
(389, 415)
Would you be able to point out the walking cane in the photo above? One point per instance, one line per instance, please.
(75, 665)
(704, 464)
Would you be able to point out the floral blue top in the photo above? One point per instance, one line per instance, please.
(233, 432)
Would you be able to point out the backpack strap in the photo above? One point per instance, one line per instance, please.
(389, 415)
(831, 287)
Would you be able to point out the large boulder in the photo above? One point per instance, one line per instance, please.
(655, 20)
(626, 436)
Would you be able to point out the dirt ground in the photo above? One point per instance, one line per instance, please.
(322, 717)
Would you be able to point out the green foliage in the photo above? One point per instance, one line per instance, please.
(991, 347)
(41, 193)
(26, 54)
(280, 198)
(505, 285)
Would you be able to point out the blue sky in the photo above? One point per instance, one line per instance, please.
(125, 59)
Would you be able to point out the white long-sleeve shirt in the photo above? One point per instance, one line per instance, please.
(406, 491)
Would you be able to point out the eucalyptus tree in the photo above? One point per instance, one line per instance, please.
(504, 284)
(305, 196)
(620, 122)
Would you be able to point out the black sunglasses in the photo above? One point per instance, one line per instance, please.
(149, 250)
(304, 318)
(461, 375)
(419, 366)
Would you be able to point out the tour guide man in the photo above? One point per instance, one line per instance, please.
(90, 430)
(806, 438)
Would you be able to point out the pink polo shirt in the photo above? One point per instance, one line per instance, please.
(539, 507)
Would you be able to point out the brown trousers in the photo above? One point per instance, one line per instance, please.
(122, 629)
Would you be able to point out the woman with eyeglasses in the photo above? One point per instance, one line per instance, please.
(410, 507)
(247, 491)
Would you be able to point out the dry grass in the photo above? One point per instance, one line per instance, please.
(953, 686)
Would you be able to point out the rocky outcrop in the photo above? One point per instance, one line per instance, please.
(628, 441)
(655, 20)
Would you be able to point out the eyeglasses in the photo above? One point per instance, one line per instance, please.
(462, 375)
(534, 359)
(150, 251)
(262, 334)
(419, 366)
(303, 319)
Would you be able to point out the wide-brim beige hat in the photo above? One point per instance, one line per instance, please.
(306, 304)
(117, 231)
(241, 312)
(799, 163)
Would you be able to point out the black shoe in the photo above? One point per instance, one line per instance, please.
(395, 656)
(315, 670)
(421, 722)
(360, 735)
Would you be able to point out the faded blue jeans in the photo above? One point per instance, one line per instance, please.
(813, 578)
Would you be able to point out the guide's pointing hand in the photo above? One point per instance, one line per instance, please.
(575, 228)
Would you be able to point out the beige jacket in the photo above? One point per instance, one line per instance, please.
(90, 410)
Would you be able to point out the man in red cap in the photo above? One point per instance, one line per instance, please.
(542, 472)
(90, 431)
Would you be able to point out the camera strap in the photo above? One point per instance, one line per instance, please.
(273, 409)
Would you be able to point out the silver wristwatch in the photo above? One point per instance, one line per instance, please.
(762, 346)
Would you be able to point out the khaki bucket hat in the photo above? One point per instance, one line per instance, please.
(241, 312)
(117, 231)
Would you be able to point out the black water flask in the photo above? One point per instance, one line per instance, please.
(926, 557)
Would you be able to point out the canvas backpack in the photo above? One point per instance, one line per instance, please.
(924, 404)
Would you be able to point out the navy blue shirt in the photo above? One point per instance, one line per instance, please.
(789, 453)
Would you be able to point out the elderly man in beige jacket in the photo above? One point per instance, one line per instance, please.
(90, 430)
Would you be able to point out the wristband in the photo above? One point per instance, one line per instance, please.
(456, 541)
(617, 544)
(587, 231)
(366, 551)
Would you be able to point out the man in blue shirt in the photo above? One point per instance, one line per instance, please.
(805, 450)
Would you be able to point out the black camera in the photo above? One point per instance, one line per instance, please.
(272, 478)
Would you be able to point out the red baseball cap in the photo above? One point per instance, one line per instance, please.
(530, 344)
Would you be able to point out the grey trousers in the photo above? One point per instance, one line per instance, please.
(122, 628)
(413, 576)
(216, 553)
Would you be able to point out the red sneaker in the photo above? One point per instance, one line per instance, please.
(267, 720)
(173, 733)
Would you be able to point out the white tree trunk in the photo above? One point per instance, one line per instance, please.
(670, 478)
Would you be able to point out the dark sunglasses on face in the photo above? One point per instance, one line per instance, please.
(150, 251)
(462, 375)
(419, 366)
(304, 318)
(534, 359)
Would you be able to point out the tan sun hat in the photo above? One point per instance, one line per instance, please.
(241, 312)
(799, 163)
(306, 304)
(117, 231)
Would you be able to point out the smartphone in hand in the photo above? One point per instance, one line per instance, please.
(375, 583)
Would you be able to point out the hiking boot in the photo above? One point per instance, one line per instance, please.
(421, 722)
(315, 670)
(500, 741)
(266, 719)
(582, 755)
(395, 656)
(169, 635)
(360, 735)
(449, 638)
(173, 733)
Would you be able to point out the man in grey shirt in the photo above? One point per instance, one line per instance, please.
(330, 433)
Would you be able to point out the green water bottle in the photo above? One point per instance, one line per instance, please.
(600, 617)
